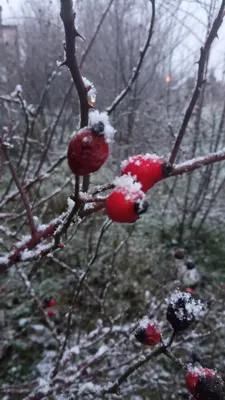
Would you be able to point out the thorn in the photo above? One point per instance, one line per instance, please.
(77, 34)
(91, 106)
(217, 36)
(61, 64)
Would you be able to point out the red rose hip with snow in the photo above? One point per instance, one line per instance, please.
(127, 202)
(148, 332)
(147, 168)
(88, 149)
(204, 384)
(193, 376)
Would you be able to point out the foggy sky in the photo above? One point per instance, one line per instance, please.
(188, 51)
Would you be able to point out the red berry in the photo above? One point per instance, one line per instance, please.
(190, 291)
(147, 168)
(127, 202)
(49, 302)
(88, 150)
(51, 313)
(179, 254)
(61, 245)
(52, 303)
(148, 332)
(3, 289)
(194, 375)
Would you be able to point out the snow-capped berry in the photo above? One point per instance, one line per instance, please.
(51, 313)
(147, 169)
(193, 376)
(182, 310)
(190, 264)
(179, 254)
(209, 387)
(49, 302)
(148, 332)
(127, 201)
(190, 291)
(88, 150)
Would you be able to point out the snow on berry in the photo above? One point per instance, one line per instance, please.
(88, 150)
(127, 201)
(193, 375)
(182, 310)
(147, 169)
(96, 117)
(190, 291)
(51, 313)
(204, 384)
(148, 332)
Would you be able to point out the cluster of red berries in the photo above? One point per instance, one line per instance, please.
(87, 152)
(123, 204)
(48, 303)
(201, 382)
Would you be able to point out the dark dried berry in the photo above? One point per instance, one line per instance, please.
(190, 264)
(209, 388)
(148, 332)
(182, 310)
(179, 254)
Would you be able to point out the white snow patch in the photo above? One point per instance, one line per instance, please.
(137, 160)
(190, 307)
(89, 387)
(127, 182)
(95, 117)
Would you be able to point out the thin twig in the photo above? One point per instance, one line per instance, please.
(21, 190)
(200, 81)
(137, 69)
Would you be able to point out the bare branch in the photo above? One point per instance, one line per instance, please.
(200, 81)
(136, 70)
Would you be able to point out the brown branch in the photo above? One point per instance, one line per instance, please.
(196, 163)
(20, 189)
(68, 18)
(204, 53)
(63, 221)
(136, 70)
(12, 196)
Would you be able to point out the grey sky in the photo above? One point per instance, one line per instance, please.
(193, 18)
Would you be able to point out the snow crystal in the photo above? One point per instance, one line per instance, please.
(43, 385)
(103, 349)
(4, 260)
(18, 90)
(136, 159)
(24, 240)
(91, 90)
(96, 117)
(199, 371)
(89, 387)
(70, 204)
(144, 322)
(23, 321)
(127, 182)
(189, 307)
